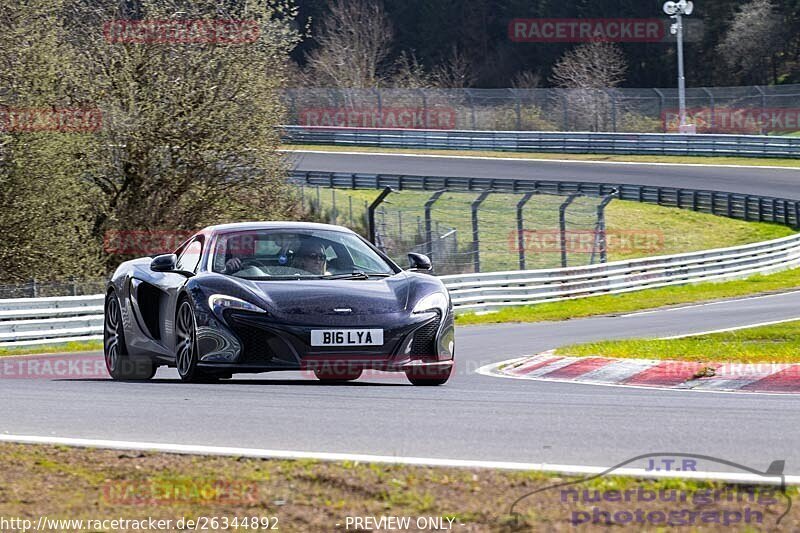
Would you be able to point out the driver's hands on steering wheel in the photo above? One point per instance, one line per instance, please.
(233, 264)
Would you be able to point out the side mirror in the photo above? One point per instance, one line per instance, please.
(419, 262)
(164, 263)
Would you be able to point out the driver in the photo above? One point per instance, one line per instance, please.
(240, 249)
(311, 257)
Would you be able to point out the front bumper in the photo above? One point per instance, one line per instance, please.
(249, 342)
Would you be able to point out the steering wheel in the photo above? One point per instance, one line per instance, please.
(251, 261)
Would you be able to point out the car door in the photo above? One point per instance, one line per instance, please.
(154, 298)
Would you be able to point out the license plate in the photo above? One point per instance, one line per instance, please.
(346, 337)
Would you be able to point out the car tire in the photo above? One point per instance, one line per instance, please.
(121, 365)
(337, 376)
(186, 360)
(429, 376)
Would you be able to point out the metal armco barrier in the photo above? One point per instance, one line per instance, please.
(477, 292)
(556, 142)
(750, 207)
(32, 321)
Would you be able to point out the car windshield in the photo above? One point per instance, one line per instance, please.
(297, 254)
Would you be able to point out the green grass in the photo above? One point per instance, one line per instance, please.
(778, 343)
(74, 346)
(659, 230)
(702, 160)
(637, 301)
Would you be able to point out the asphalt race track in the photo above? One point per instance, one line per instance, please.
(473, 417)
(779, 182)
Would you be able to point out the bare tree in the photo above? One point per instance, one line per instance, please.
(409, 73)
(455, 72)
(527, 79)
(590, 66)
(354, 42)
(590, 71)
(753, 40)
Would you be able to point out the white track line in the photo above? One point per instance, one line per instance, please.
(735, 477)
(737, 328)
(538, 160)
(706, 304)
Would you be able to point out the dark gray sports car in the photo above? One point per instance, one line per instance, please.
(257, 297)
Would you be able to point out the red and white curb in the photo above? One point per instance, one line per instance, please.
(775, 378)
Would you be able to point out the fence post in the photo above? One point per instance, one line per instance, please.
(763, 104)
(34, 289)
(350, 200)
(380, 105)
(613, 96)
(334, 213)
(429, 223)
(425, 117)
(476, 252)
(472, 107)
(400, 226)
(562, 227)
(379, 237)
(661, 108)
(600, 231)
(711, 118)
(521, 228)
(371, 212)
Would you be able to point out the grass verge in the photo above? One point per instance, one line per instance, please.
(701, 160)
(778, 343)
(73, 483)
(641, 300)
(74, 346)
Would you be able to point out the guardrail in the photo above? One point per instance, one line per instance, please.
(750, 207)
(36, 321)
(477, 292)
(31, 321)
(557, 142)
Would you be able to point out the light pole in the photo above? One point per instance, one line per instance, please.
(677, 10)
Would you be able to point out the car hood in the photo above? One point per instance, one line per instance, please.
(310, 298)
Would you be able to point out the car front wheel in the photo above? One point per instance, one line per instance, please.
(186, 345)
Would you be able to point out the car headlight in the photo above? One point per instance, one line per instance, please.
(220, 302)
(432, 302)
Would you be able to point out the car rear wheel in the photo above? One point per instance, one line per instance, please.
(120, 365)
(337, 375)
(429, 376)
(186, 345)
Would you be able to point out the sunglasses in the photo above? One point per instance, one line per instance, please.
(316, 256)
